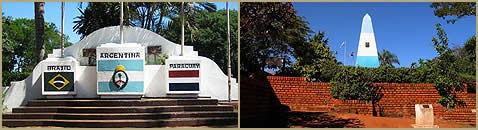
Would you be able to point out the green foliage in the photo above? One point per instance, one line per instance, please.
(269, 29)
(3, 99)
(354, 83)
(452, 70)
(387, 58)
(315, 60)
(19, 46)
(7, 77)
(456, 9)
(211, 38)
(147, 15)
(423, 72)
(469, 52)
(98, 15)
(158, 60)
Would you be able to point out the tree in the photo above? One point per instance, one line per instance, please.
(467, 51)
(190, 19)
(314, 59)
(40, 30)
(98, 15)
(269, 30)
(18, 47)
(147, 15)
(452, 71)
(211, 38)
(387, 58)
(150, 15)
(456, 9)
(356, 83)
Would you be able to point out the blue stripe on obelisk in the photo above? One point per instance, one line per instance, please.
(129, 65)
(368, 61)
(132, 86)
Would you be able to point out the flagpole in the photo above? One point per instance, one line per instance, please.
(345, 53)
(121, 24)
(62, 29)
(228, 53)
(182, 29)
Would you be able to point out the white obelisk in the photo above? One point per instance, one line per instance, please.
(367, 50)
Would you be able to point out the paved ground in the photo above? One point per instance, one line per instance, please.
(229, 126)
(346, 120)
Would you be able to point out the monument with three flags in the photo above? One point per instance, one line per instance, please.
(110, 77)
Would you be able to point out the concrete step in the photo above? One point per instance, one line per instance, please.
(123, 102)
(121, 109)
(216, 121)
(118, 116)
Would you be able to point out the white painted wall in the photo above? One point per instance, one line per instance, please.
(213, 80)
(213, 83)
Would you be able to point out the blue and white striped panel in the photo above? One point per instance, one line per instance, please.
(134, 69)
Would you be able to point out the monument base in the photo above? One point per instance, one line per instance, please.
(425, 126)
(186, 95)
(59, 96)
(117, 97)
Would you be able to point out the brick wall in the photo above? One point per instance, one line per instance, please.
(398, 99)
(259, 106)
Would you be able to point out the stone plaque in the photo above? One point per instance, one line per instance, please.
(424, 116)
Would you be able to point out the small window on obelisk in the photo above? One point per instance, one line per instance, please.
(367, 44)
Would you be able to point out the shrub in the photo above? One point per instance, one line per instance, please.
(8, 77)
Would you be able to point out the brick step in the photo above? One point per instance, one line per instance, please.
(462, 120)
(133, 102)
(459, 113)
(310, 108)
(221, 121)
(118, 116)
(122, 109)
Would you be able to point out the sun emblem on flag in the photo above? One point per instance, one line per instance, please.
(120, 78)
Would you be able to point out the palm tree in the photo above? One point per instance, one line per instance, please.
(189, 9)
(40, 30)
(148, 15)
(98, 15)
(387, 58)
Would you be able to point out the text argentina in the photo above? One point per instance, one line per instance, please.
(120, 55)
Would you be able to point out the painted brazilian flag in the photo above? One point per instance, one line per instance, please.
(58, 81)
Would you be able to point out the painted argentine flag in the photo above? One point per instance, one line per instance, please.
(126, 60)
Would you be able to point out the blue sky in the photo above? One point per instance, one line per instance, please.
(405, 29)
(53, 13)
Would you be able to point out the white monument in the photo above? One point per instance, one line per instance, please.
(102, 68)
(367, 55)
